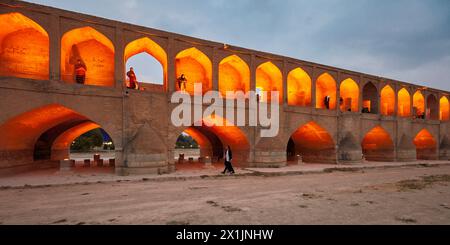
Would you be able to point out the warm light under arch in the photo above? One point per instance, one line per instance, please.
(387, 101)
(299, 88)
(404, 103)
(234, 75)
(349, 93)
(444, 109)
(325, 86)
(269, 78)
(196, 67)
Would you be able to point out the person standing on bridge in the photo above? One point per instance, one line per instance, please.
(326, 101)
(132, 80)
(182, 82)
(80, 72)
(228, 158)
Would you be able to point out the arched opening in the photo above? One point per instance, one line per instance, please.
(349, 92)
(387, 101)
(234, 75)
(312, 143)
(444, 109)
(299, 88)
(326, 92)
(42, 137)
(268, 79)
(377, 145)
(149, 62)
(432, 108)
(370, 98)
(209, 145)
(418, 105)
(426, 146)
(404, 103)
(24, 48)
(93, 50)
(196, 68)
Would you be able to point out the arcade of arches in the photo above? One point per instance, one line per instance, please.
(42, 112)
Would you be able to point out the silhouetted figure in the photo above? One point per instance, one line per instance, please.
(182, 82)
(132, 80)
(326, 102)
(80, 72)
(228, 158)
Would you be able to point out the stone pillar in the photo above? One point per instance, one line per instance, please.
(215, 70)
(55, 48)
(396, 89)
(171, 66)
(285, 83)
(313, 87)
(411, 103)
(252, 73)
(119, 64)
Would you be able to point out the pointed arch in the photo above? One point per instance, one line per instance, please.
(370, 98)
(24, 47)
(426, 145)
(404, 103)
(196, 67)
(377, 145)
(299, 88)
(444, 109)
(432, 111)
(146, 45)
(349, 92)
(387, 101)
(93, 49)
(325, 86)
(234, 75)
(314, 144)
(269, 78)
(418, 105)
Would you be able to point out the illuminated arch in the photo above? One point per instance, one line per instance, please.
(234, 75)
(377, 145)
(370, 98)
(426, 145)
(24, 48)
(444, 109)
(404, 103)
(349, 93)
(150, 47)
(314, 144)
(196, 67)
(213, 139)
(94, 49)
(61, 146)
(432, 107)
(325, 86)
(269, 78)
(387, 101)
(299, 88)
(418, 104)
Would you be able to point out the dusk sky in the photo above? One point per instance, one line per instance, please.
(408, 40)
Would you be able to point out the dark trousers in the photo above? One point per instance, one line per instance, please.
(80, 79)
(228, 167)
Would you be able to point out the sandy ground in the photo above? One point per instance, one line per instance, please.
(409, 195)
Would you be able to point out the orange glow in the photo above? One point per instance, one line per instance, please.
(234, 75)
(387, 101)
(24, 48)
(196, 67)
(378, 145)
(312, 137)
(148, 46)
(349, 92)
(325, 86)
(419, 103)
(94, 49)
(201, 140)
(367, 104)
(426, 146)
(22, 132)
(269, 78)
(63, 141)
(404, 103)
(444, 109)
(299, 88)
(228, 134)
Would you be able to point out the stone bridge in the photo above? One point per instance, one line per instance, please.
(42, 109)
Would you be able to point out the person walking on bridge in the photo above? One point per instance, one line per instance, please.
(228, 159)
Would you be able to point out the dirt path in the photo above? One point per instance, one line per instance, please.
(391, 196)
